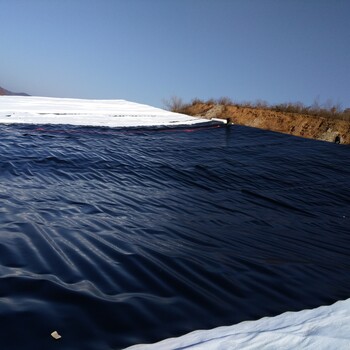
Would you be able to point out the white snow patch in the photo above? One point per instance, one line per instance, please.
(326, 327)
(110, 113)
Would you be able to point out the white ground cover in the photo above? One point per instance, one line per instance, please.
(326, 327)
(110, 113)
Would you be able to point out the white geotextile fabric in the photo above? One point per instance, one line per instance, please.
(110, 113)
(326, 327)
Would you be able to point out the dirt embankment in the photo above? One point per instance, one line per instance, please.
(319, 128)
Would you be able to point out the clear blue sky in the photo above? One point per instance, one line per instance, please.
(148, 50)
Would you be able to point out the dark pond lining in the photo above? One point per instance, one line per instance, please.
(115, 237)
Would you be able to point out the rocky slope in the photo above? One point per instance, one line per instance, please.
(320, 128)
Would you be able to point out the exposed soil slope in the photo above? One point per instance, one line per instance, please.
(320, 128)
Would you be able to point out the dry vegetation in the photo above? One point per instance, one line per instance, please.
(325, 110)
(327, 122)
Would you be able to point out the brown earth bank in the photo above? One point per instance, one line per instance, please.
(319, 128)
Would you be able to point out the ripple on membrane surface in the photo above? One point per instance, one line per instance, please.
(120, 236)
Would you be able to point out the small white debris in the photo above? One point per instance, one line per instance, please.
(55, 335)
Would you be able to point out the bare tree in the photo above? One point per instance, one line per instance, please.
(174, 103)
